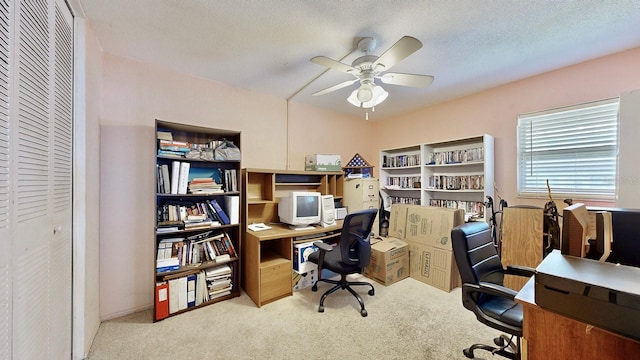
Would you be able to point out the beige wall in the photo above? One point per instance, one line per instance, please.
(274, 135)
(277, 134)
(495, 112)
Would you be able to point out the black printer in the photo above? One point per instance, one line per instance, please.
(601, 294)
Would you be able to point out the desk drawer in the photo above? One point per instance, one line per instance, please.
(275, 281)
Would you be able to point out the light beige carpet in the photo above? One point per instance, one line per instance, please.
(407, 320)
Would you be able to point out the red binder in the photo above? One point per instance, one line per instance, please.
(162, 300)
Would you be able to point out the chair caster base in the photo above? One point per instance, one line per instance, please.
(363, 312)
(468, 353)
(371, 292)
(321, 308)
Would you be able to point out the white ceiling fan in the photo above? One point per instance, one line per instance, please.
(367, 68)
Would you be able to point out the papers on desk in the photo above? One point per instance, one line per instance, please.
(258, 227)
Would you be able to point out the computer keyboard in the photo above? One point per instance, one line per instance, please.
(311, 236)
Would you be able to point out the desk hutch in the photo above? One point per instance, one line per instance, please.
(267, 254)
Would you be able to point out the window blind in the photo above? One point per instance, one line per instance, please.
(574, 148)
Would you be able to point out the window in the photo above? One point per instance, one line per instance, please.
(574, 148)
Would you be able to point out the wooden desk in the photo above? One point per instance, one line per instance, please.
(267, 260)
(547, 335)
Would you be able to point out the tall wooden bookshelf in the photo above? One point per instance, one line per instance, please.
(190, 230)
(454, 173)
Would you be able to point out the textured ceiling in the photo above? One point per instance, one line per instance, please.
(265, 46)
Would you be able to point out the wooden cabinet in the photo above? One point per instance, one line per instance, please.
(455, 174)
(267, 255)
(197, 243)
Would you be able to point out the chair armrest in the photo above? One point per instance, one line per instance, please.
(519, 270)
(323, 246)
(490, 289)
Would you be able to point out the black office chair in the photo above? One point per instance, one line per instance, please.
(482, 287)
(350, 256)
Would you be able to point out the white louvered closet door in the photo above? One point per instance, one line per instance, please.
(38, 181)
(5, 193)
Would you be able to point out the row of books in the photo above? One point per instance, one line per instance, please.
(470, 207)
(404, 200)
(400, 160)
(403, 182)
(174, 180)
(455, 156)
(173, 253)
(193, 213)
(456, 182)
(192, 290)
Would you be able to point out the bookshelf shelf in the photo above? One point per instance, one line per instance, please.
(197, 240)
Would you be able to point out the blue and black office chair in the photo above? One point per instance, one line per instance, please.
(350, 256)
(482, 287)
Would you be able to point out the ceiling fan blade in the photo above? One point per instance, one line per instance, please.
(413, 80)
(334, 87)
(332, 64)
(406, 46)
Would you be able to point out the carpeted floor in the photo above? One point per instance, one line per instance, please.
(407, 320)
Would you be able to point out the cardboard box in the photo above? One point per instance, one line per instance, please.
(398, 220)
(433, 266)
(431, 225)
(301, 253)
(301, 281)
(318, 162)
(389, 260)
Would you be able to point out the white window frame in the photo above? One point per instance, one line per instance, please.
(575, 148)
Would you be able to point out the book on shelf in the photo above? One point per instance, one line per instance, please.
(182, 292)
(191, 290)
(231, 179)
(218, 270)
(171, 154)
(183, 181)
(175, 176)
(206, 224)
(204, 186)
(166, 181)
(202, 295)
(232, 204)
(177, 146)
(164, 135)
(159, 185)
(224, 219)
(173, 296)
(162, 300)
(229, 244)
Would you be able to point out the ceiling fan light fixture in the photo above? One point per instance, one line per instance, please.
(378, 95)
(365, 93)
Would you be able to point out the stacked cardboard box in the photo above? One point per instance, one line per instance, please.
(389, 260)
(427, 231)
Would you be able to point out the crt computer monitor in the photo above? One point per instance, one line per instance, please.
(300, 209)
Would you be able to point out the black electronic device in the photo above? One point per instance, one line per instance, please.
(597, 293)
